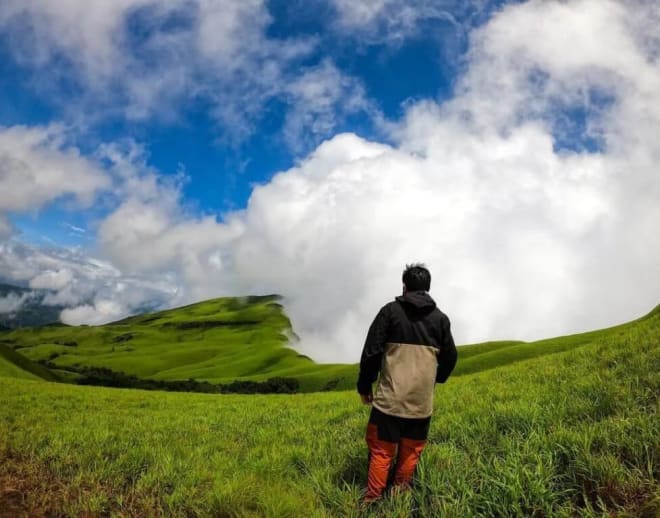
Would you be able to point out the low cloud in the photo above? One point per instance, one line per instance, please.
(52, 279)
(12, 302)
(93, 291)
(101, 312)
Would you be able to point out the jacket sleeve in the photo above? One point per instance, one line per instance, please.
(447, 356)
(372, 352)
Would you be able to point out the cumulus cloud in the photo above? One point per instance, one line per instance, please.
(39, 166)
(525, 237)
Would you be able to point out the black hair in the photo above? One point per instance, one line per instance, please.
(417, 277)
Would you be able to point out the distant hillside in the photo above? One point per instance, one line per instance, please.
(31, 311)
(220, 341)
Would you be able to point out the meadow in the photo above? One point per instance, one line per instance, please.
(571, 430)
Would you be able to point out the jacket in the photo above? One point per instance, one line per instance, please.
(410, 345)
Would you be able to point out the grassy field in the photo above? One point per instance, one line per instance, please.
(572, 433)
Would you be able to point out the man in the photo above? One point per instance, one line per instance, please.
(410, 344)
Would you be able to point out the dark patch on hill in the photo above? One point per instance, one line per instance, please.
(101, 376)
(66, 343)
(332, 384)
(26, 364)
(209, 324)
(125, 337)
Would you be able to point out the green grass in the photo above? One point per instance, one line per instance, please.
(572, 433)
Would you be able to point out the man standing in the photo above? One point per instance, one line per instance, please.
(410, 344)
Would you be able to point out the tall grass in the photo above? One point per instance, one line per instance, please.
(574, 433)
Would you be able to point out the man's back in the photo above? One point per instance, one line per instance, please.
(411, 345)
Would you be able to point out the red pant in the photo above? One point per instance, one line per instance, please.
(386, 436)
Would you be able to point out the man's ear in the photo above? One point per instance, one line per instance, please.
(404, 289)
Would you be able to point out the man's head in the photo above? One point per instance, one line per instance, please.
(416, 277)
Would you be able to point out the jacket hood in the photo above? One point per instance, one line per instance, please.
(420, 301)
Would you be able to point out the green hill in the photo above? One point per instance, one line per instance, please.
(219, 341)
(572, 433)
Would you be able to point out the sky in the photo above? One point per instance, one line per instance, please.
(154, 154)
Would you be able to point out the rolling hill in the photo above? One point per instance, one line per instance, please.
(219, 341)
(571, 430)
(224, 341)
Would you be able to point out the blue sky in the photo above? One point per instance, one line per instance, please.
(393, 70)
(160, 153)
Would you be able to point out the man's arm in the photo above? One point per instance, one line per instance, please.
(447, 356)
(372, 354)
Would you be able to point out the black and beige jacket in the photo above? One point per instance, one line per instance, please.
(410, 345)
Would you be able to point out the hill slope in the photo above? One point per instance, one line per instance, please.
(575, 433)
(15, 365)
(219, 341)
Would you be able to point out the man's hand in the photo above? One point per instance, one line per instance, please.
(367, 399)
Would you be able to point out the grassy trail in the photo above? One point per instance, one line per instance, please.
(574, 433)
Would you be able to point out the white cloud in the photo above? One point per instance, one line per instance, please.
(38, 167)
(52, 279)
(83, 284)
(321, 97)
(393, 22)
(184, 52)
(13, 302)
(101, 312)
